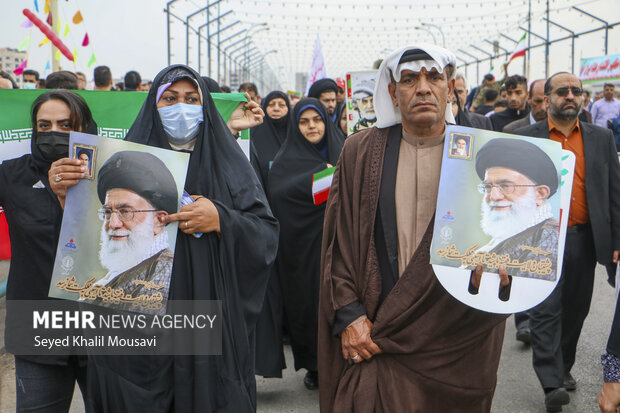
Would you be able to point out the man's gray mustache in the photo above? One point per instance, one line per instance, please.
(416, 101)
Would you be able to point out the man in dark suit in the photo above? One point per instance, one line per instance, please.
(593, 235)
(538, 112)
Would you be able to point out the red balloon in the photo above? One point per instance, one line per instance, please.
(49, 33)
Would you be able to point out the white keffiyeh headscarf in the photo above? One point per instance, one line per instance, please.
(387, 113)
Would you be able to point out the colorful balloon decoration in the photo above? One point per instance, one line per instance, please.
(47, 31)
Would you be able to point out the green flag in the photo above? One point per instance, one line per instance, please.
(114, 112)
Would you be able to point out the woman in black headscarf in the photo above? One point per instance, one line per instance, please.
(267, 139)
(312, 145)
(34, 215)
(229, 262)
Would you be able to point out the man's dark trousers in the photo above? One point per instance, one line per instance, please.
(556, 323)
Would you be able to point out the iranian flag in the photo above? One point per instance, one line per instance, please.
(519, 49)
(321, 182)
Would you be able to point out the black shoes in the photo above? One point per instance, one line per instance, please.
(311, 381)
(569, 382)
(555, 399)
(524, 335)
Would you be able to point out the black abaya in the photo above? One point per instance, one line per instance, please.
(232, 268)
(267, 139)
(301, 229)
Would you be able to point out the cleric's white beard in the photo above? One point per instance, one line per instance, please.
(119, 256)
(503, 224)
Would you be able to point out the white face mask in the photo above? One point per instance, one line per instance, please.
(181, 122)
(29, 85)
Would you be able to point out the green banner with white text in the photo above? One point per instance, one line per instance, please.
(114, 112)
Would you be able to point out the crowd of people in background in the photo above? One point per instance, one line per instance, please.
(328, 320)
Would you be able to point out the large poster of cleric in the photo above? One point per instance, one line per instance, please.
(503, 201)
(360, 105)
(115, 248)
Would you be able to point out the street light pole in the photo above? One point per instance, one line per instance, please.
(572, 46)
(466, 64)
(218, 33)
(599, 19)
(443, 38)
(187, 27)
(477, 64)
(226, 77)
(209, 36)
(249, 33)
(546, 40)
(167, 10)
(486, 53)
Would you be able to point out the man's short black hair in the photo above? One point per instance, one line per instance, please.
(132, 80)
(62, 80)
(248, 87)
(489, 77)
(515, 80)
(32, 72)
(225, 89)
(548, 82)
(609, 85)
(103, 76)
(490, 95)
(502, 103)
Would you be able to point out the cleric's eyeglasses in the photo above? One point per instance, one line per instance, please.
(563, 91)
(504, 188)
(124, 214)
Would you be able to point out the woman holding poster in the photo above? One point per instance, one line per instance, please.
(298, 186)
(34, 214)
(224, 249)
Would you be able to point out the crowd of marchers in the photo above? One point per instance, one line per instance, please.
(346, 280)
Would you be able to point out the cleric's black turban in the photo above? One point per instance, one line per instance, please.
(521, 156)
(142, 173)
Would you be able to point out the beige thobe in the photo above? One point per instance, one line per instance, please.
(417, 184)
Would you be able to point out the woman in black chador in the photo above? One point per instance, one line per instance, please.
(312, 145)
(229, 262)
(34, 214)
(267, 139)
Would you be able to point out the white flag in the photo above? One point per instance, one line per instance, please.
(318, 70)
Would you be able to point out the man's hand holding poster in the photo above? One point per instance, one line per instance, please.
(503, 203)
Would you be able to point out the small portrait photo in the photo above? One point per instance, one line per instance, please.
(86, 153)
(460, 145)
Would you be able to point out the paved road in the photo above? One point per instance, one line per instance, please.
(517, 388)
